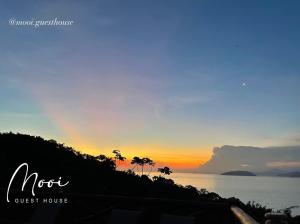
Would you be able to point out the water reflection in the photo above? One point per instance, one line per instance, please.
(275, 192)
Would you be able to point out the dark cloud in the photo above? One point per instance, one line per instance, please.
(255, 159)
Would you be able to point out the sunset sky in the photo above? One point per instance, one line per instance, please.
(165, 79)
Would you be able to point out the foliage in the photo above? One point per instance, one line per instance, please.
(118, 156)
(160, 179)
(142, 162)
(106, 161)
(165, 170)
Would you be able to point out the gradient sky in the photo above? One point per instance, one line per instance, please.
(165, 79)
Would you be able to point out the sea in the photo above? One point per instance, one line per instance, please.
(273, 192)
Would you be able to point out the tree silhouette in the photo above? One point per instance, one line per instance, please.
(165, 170)
(106, 161)
(137, 161)
(148, 162)
(118, 157)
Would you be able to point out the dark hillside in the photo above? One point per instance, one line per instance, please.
(90, 177)
(86, 173)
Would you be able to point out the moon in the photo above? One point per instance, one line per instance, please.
(244, 84)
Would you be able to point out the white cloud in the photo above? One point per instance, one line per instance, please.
(245, 165)
(282, 164)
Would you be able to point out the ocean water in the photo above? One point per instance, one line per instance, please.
(274, 192)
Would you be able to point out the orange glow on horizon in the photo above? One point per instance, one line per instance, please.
(178, 158)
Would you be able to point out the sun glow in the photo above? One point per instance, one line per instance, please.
(174, 157)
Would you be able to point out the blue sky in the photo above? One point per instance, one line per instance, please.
(158, 77)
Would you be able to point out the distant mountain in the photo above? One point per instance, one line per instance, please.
(290, 174)
(238, 173)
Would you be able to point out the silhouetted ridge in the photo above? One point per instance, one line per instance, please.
(96, 175)
(86, 173)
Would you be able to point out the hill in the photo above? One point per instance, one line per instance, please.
(92, 176)
(238, 173)
(86, 173)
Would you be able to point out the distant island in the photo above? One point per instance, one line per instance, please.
(238, 173)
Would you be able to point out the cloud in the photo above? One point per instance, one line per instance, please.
(245, 165)
(255, 159)
(280, 164)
